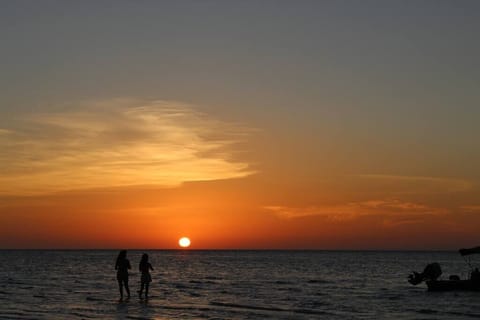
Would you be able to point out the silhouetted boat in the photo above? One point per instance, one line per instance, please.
(453, 285)
(432, 272)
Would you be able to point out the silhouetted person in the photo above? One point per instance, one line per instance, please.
(122, 265)
(475, 275)
(146, 278)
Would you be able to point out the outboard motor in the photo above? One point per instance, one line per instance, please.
(431, 272)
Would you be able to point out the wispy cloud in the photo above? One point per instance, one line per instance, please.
(418, 184)
(118, 143)
(471, 208)
(386, 208)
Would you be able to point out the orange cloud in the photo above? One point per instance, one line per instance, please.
(471, 208)
(387, 208)
(118, 143)
(418, 184)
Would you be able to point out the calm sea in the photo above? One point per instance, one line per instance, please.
(231, 285)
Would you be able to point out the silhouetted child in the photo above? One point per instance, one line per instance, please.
(122, 265)
(146, 278)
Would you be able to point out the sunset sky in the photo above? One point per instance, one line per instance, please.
(240, 124)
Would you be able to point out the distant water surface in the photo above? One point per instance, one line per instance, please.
(231, 285)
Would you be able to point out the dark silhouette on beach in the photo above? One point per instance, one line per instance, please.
(122, 265)
(146, 278)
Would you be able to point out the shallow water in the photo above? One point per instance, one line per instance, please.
(231, 285)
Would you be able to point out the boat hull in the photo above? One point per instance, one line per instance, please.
(453, 285)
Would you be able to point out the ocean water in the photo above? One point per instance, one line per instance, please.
(231, 285)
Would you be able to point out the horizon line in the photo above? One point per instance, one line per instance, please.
(228, 249)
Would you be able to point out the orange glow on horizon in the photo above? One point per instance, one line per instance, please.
(242, 213)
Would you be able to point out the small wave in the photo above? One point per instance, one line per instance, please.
(82, 315)
(261, 308)
(243, 306)
(186, 307)
(180, 286)
(318, 281)
(26, 287)
(23, 314)
(14, 315)
(427, 311)
(94, 299)
(290, 289)
(194, 294)
(310, 311)
(394, 297)
(195, 281)
(463, 314)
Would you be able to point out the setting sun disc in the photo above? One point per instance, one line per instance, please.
(184, 242)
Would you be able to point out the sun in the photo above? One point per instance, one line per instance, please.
(184, 242)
